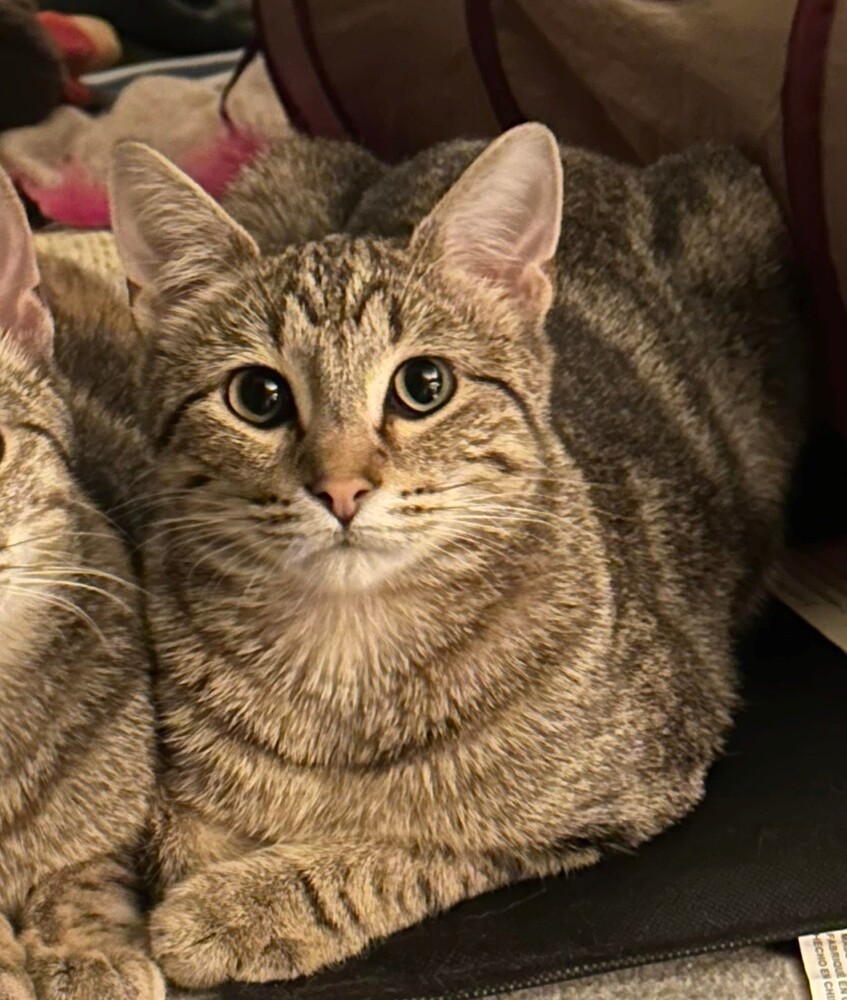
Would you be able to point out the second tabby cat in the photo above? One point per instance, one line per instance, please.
(76, 726)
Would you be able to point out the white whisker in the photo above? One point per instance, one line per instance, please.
(74, 585)
(59, 602)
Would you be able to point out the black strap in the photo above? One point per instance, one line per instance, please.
(250, 52)
(482, 34)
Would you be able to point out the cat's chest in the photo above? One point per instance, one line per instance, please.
(361, 687)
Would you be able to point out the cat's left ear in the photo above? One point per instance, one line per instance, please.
(500, 221)
(24, 318)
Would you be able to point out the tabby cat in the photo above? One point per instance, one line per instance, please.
(76, 754)
(456, 521)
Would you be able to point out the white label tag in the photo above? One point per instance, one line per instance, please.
(813, 583)
(825, 960)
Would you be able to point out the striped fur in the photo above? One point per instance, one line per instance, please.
(99, 357)
(525, 653)
(75, 717)
(76, 726)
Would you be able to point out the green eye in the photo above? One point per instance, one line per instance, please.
(261, 396)
(421, 386)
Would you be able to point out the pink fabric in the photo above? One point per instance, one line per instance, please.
(75, 201)
(81, 201)
(62, 164)
(216, 166)
(76, 47)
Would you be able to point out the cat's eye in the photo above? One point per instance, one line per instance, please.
(421, 386)
(261, 396)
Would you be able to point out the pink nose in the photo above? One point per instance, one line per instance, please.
(342, 496)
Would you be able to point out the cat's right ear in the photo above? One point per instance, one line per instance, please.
(172, 237)
(24, 319)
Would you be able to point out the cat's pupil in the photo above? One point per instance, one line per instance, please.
(260, 394)
(423, 381)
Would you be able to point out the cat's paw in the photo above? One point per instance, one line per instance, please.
(15, 985)
(203, 934)
(64, 975)
(212, 928)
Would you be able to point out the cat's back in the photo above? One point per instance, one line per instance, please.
(679, 304)
(680, 336)
(301, 189)
(404, 194)
(97, 345)
(698, 233)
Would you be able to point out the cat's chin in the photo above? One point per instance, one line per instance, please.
(352, 569)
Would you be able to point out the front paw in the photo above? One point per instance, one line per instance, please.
(212, 928)
(61, 974)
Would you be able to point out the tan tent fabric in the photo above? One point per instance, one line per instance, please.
(92, 251)
(633, 78)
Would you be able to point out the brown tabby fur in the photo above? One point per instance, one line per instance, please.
(100, 355)
(76, 727)
(519, 652)
(303, 190)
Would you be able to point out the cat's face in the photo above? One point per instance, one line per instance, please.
(38, 495)
(351, 414)
(345, 427)
(38, 500)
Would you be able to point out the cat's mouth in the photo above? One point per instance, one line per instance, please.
(353, 564)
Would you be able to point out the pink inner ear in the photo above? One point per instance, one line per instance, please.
(31, 315)
(28, 324)
(23, 316)
(18, 269)
(523, 281)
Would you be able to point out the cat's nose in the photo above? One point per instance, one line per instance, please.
(342, 496)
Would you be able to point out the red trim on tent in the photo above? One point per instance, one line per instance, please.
(802, 109)
(307, 31)
(285, 31)
(486, 52)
